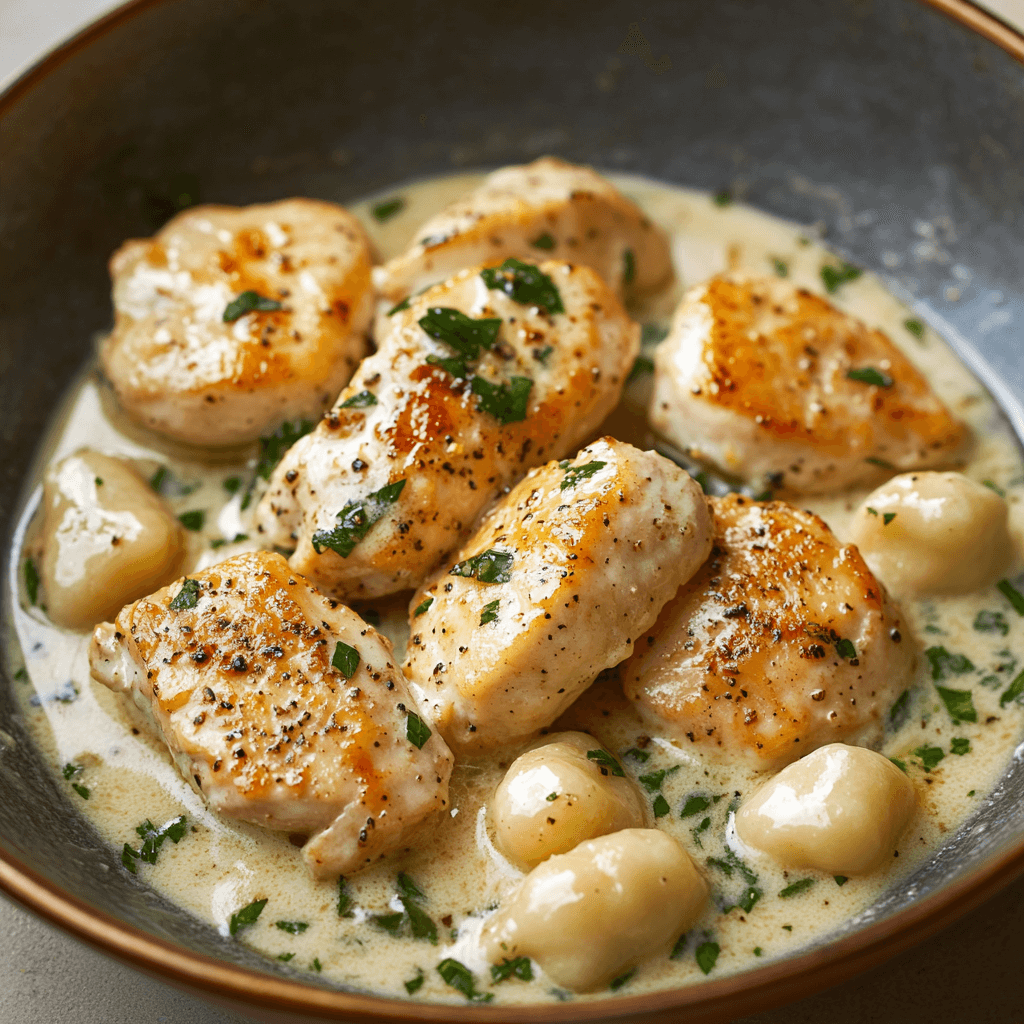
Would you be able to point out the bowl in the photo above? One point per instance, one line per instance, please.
(869, 119)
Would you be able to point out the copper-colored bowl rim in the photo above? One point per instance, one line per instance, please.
(769, 986)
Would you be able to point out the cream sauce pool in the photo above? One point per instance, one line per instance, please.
(219, 866)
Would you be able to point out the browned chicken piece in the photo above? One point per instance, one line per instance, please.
(765, 380)
(232, 320)
(549, 209)
(554, 586)
(282, 707)
(781, 643)
(478, 380)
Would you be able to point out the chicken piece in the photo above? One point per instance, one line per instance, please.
(232, 320)
(547, 209)
(283, 707)
(555, 585)
(768, 381)
(469, 389)
(781, 643)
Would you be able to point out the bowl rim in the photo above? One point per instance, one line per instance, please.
(769, 986)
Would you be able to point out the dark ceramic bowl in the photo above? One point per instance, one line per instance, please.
(814, 110)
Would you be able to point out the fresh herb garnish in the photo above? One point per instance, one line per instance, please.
(574, 474)
(519, 968)
(795, 888)
(944, 664)
(421, 924)
(638, 755)
(490, 612)
(70, 770)
(652, 334)
(1012, 594)
(82, 791)
(641, 365)
(746, 901)
(193, 520)
(273, 446)
(960, 746)
(930, 756)
(361, 401)
(31, 581)
(249, 302)
(421, 608)
(880, 463)
(680, 946)
(344, 900)
(524, 283)
(316, 965)
(541, 354)
(899, 706)
(355, 520)
(652, 782)
(622, 979)
(285, 956)
(232, 484)
(915, 327)
(723, 197)
(462, 333)
(545, 241)
(417, 732)
(415, 984)
(706, 955)
(187, 596)
(345, 660)
(488, 567)
(780, 266)
(993, 486)
(888, 517)
(459, 977)
(845, 649)
(728, 863)
(219, 542)
(391, 923)
(551, 797)
(694, 805)
(507, 401)
(292, 927)
(1013, 691)
(152, 839)
(660, 806)
(834, 277)
(959, 704)
(840, 880)
(902, 765)
(606, 762)
(399, 306)
(869, 375)
(388, 208)
(628, 267)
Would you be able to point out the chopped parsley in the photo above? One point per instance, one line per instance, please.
(833, 277)
(945, 664)
(193, 520)
(70, 770)
(219, 542)
(422, 607)
(628, 267)
(361, 401)
(780, 266)
(993, 486)
(930, 756)
(746, 901)
(652, 782)
(541, 354)
(840, 880)
(680, 947)
(723, 197)
(706, 955)
(1012, 594)
(82, 791)
(415, 984)
(391, 923)
(506, 402)
(730, 862)
(232, 484)
(622, 979)
(355, 520)
(420, 923)
(292, 927)
(273, 446)
(844, 648)
(888, 517)
(551, 796)
(605, 762)
(458, 976)
(399, 306)
(638, 755)
(915, 327)
(249, 302)
(653, 334)
(489, 566)
(345, 660)
(694, 805)
(285, 956)
(545, 241)
(1013, 691)
(31, 581)
(388, 208)
(417, 732)
(187, 596)
(641, 365)
(960, 746)
(462, 333)
(660, 806)
(152, 839)
(574, 474)
(490, 612)
(344, 900)
(524, 283)
(795, 888)
(520, 968)
(880, 463)
(959, 704)
(316, 965)
(899, 708)
(869, 375)
(902, 765)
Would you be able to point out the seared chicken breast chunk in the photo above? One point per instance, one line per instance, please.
(478, 380)
(231, 320)
(555, 585)
(282, 707)
(766, 380)
(781, 643)
(547, 209)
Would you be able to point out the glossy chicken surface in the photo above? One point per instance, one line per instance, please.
(232, 320)
(282, 707)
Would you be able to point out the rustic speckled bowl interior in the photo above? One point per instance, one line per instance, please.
(872, 118)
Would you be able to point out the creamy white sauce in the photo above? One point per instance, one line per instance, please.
(221, 866)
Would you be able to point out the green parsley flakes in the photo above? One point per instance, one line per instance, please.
(520, 968)
(345, 660)
(960, 746)
(1012, 594)
(386, 209)
(490, 612)
(945, 664)
(422, 607)
(292, 927)
(463, 333)
(606, 763)
(706, 955)
(628, 267)
(795, 888)
(193, 520)
(273, 446)
(458, 976)
(694, 805)
(361, 401)
(915, 327)
(524, 283)
(248, 915)
(723, 197)
(642, 365)
(959, 704)
(545, 241)
(488, 567)
(780, 267)
(507, 401)
(344, 899)
(187, 596)
(152, 839)
(574, 474)
(869, 375)
(1013, 691)
(417, 732)
(356, 519)
(249, 302)
(415, 984)
(930, 756)
(31, 581)
(833, 277)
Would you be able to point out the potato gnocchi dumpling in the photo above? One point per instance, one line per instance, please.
(588, 915)
(559, 794)
(934, 533)
(106, 539)
(840, 810)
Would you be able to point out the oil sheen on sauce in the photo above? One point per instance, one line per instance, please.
(220, 866)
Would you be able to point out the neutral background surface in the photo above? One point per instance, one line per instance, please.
(970, 974)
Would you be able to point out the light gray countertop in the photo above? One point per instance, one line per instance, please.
(969, 973)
